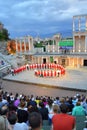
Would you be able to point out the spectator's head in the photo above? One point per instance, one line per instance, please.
(62, 100)
(86, 100)
(41, 104)
(32, 109)
(56, 109)
(12, 117)
(50, 102)
(78, 103)
(12, 107)
(22, 103)
(4, 110)
(64, 108)
(35, 121)
(0, 97)
(2, 124)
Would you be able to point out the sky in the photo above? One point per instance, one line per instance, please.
(42, 18)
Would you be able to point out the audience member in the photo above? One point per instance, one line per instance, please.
(4, 112)
(56, 109)
(35, 121)
(21, 126)
(63, 121)
(22, 112)
(3, 125)
(12, 118)
(84, 104)
(43, 111)
(46, 106)
(78, 110)
(1, 103)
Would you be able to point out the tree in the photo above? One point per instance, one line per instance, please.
(4, 35)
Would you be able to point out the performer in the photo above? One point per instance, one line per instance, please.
(49, 73)
(58, 73)
(41, 66)
(33, 66)
(55, 73)
(41, 73)
(12, 71)
(35, 72)
(27, 66)
(36, 66)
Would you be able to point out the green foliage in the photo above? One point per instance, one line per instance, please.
(51, 59)
(4, 35)
(51, 42)
(38, 45)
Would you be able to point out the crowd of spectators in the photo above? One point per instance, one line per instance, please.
(15, 110)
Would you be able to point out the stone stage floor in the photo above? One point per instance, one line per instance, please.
(74, 79)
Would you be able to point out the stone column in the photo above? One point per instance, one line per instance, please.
(86, 37)
(79, 23)
(69, 61)
(73, 61)
(86, 23)
(48, 47)
(42, 49)
(79, 44)
(42, 59)
(53, 46)
(24, 44)
(29, 42)
(77, 61)
(32, 45)
(58, 47)
(38, 60)
(16, 45)
(20, 46)
(85, 43)
(73, 43)
(73, 25)
(82, 62)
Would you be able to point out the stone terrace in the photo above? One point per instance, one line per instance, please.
(75, 79)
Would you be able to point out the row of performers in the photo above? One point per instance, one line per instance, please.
(44, 66)
(36, 66)
(18, 70)
(49, 73)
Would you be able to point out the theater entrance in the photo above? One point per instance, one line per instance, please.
(63, 62)
(85, 62)
(44, 60)
(55, 62)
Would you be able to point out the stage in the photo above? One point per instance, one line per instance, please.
(74, 79)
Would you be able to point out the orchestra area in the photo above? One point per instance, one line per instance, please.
(41, 70)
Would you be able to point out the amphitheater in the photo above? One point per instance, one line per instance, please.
(74, 81)
(74, 58)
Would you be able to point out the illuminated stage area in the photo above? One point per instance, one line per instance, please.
(41, 70)
(74, 79)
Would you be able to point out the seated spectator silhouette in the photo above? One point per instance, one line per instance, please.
(56, 110)
(12, 118)
(78, 110)
(63, 121)
(43, 111)
(84, 104)
(1, 103)
(3, 126)
(3, 112)
(35, 121)
(22, 112)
